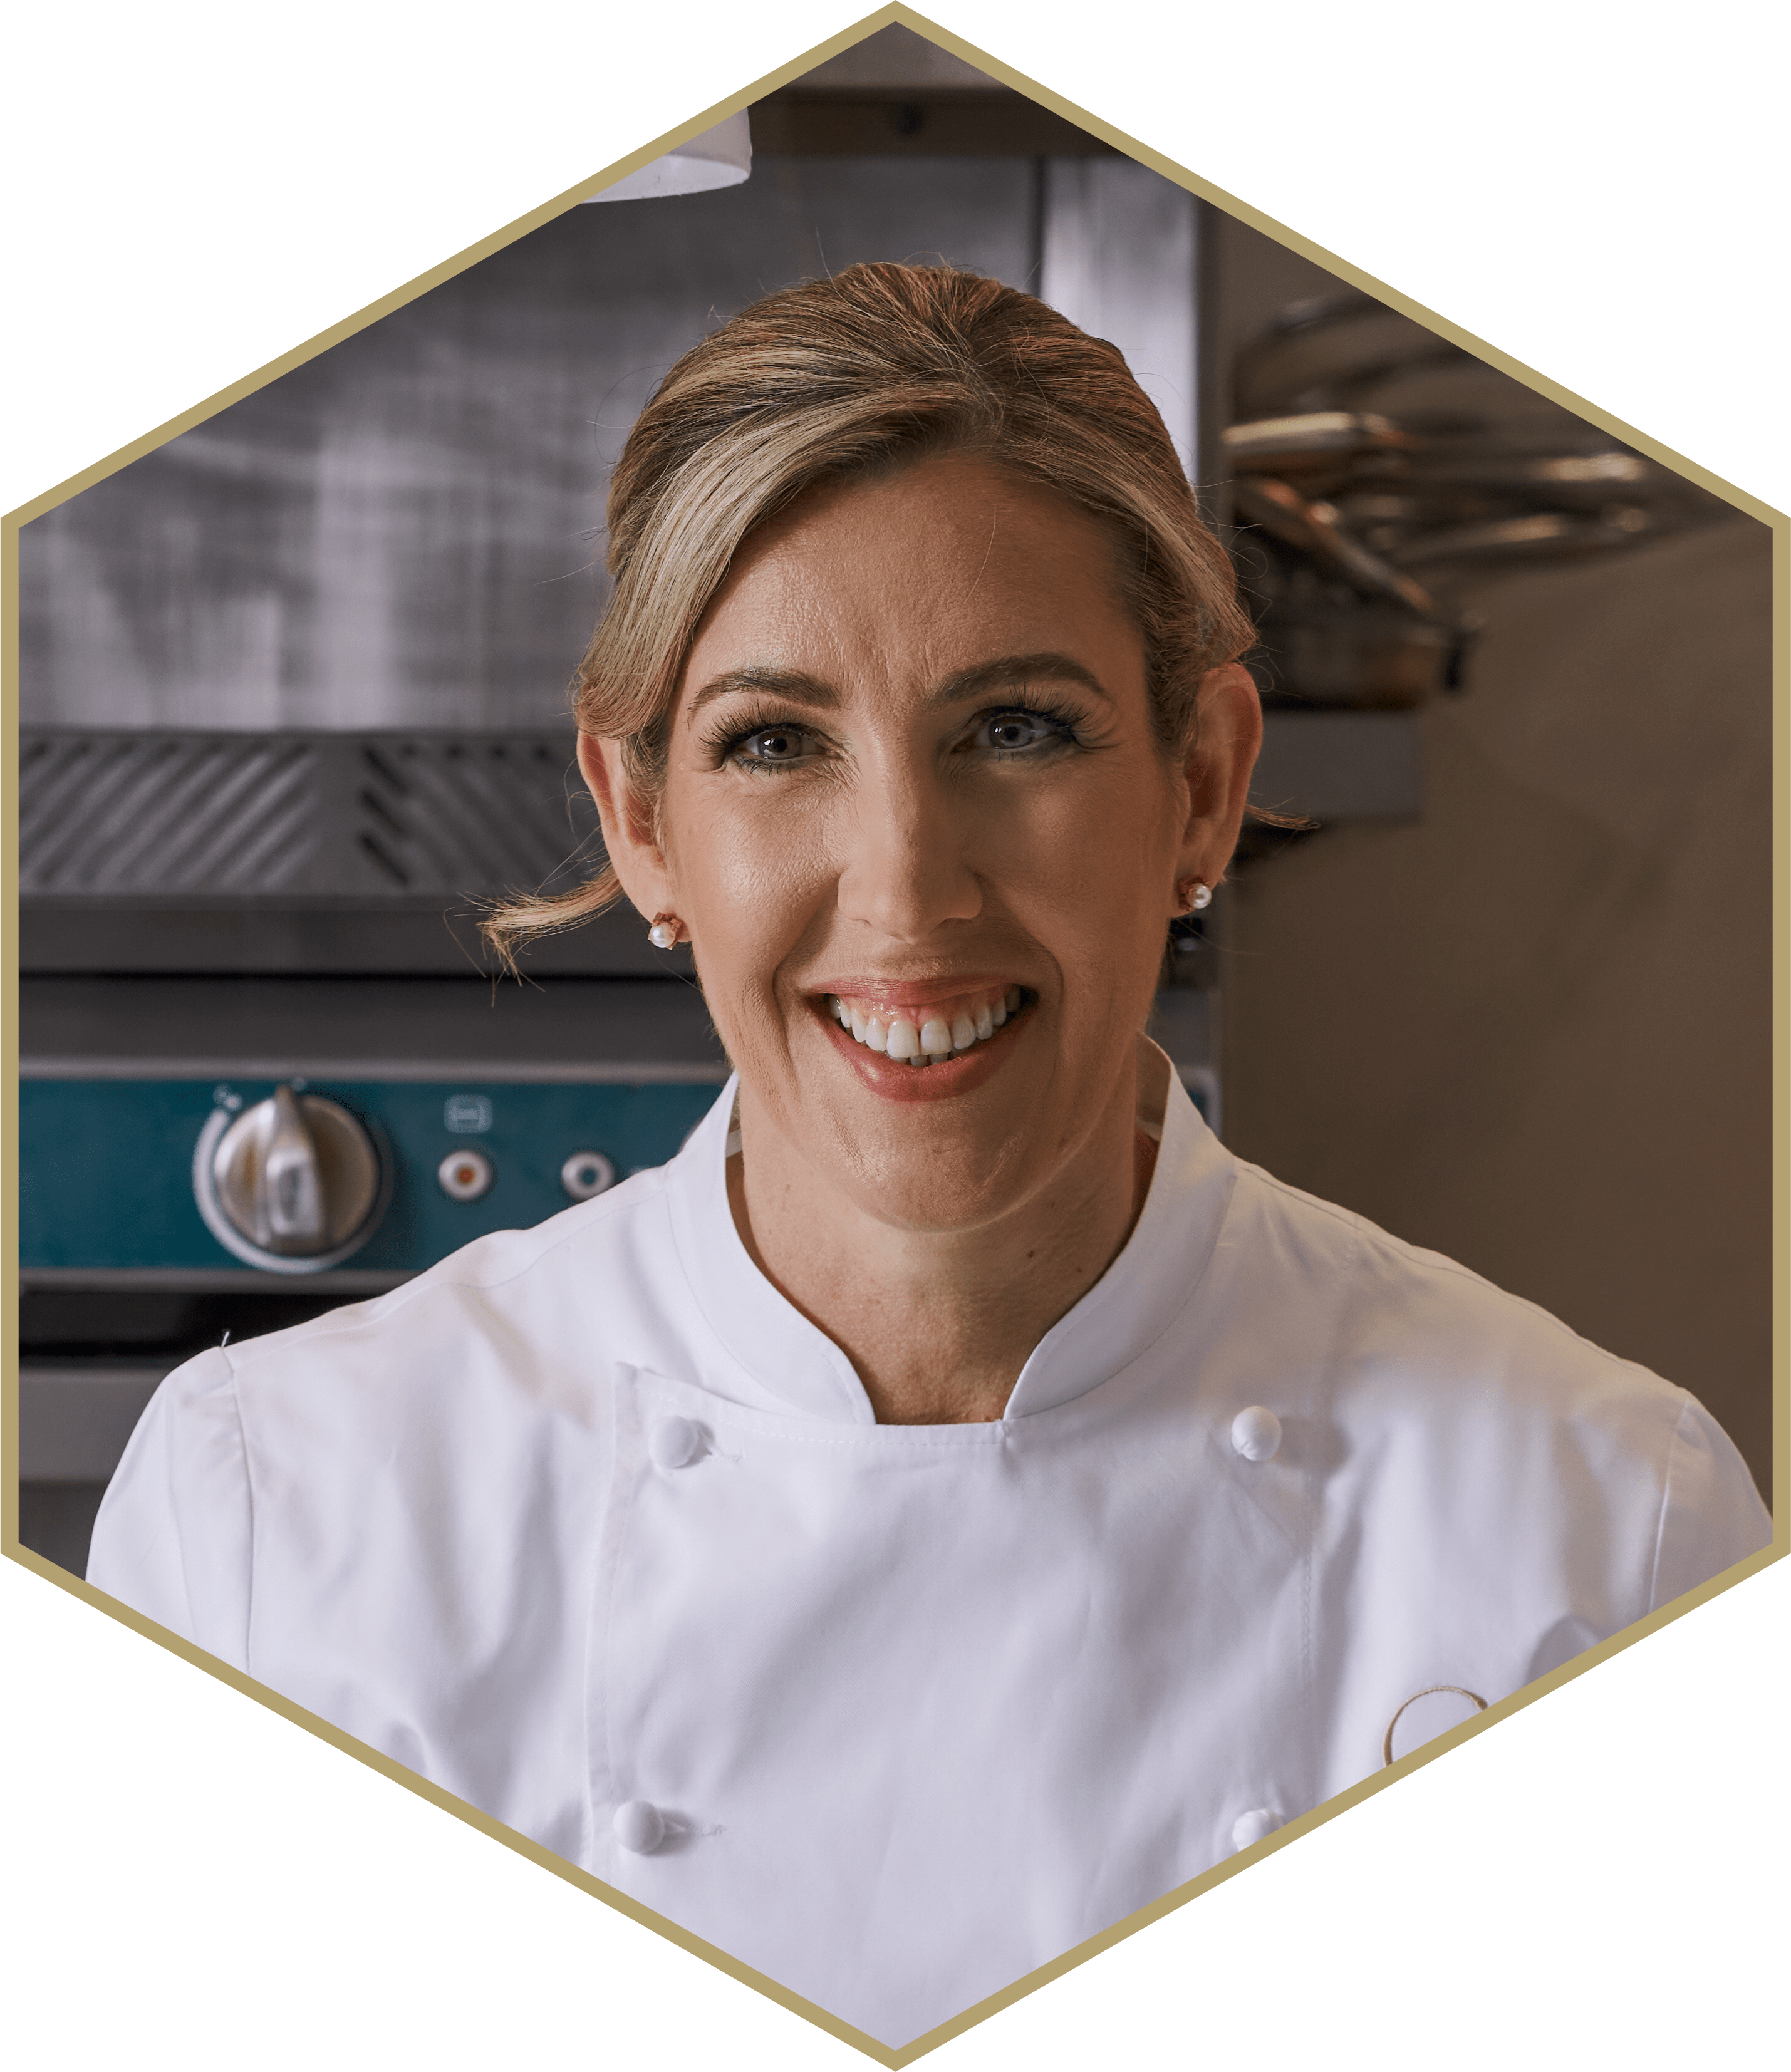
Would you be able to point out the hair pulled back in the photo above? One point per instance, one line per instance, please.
(851, 377)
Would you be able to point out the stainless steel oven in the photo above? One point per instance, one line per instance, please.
(293, 702)
(261, 1073)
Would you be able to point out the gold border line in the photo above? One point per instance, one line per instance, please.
(1781, 1034)
(1342, 1801)
(1354, 1794)
(1020, 1988)
(424, 1787)
(984, 61)
(9, 1038)
(1743, 500)
(434, 276)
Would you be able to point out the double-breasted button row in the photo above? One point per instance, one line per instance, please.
(675, 1443)
(672, 1443)
(1255, 1436)
(640, 1826)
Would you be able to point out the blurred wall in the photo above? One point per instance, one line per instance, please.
(1534, 1031)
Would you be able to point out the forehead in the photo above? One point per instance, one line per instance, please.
(943, 563)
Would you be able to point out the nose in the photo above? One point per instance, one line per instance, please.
(905, 872)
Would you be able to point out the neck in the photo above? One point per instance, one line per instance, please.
(938, 1324)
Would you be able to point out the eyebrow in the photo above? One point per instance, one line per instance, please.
(1000, 673)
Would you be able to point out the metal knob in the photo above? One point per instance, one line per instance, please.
(293, 1185)
(286, 1190)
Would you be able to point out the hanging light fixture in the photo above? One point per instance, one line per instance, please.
(717, 158)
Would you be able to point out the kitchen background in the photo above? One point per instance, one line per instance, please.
(293, 695)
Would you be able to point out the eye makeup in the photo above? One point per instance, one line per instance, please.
(1057, 726)
(724, 743)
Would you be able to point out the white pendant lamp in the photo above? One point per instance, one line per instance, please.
(717, 158)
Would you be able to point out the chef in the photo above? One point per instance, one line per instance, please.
(955, 1502)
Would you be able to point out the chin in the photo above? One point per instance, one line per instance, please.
(926, 1208)
(925, 1170)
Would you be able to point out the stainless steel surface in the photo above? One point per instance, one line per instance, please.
(291, 1205)
(406, 531)
(1313, 438)
(1322, 354)
(74, 1421)
(294, 689)
(414, 816)
(245, 852)
(1421, 456)
(1364, 660)
(588, 1030)
(1120, 259)
(896, 57)
(1313, 528)
(1546, 536)
(348, 1281)
(329, 938)
(293, 1184)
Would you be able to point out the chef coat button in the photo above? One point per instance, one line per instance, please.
(674, 1443)
(1247, 1827)
(640, 1826)
(1256, 1433)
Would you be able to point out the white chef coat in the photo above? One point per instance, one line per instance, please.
(589, 1517)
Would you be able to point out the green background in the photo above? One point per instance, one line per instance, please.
(195, 189)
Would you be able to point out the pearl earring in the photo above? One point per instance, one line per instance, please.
(666, 931)
(1194, 894)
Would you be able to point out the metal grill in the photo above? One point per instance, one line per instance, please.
(177, 816)
(468, 815)
(105, 815)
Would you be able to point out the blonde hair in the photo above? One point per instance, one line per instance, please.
(848, 378)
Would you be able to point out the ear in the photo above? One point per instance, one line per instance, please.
(634, 853)
(1218, 771)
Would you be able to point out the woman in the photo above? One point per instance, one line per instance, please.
(955, 1502)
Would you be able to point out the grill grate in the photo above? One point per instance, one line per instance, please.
(172, 817)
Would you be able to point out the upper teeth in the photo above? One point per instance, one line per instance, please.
(920, 1040)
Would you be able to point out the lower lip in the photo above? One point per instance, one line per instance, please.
(958, 1074)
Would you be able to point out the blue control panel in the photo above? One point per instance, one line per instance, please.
(105, 1166)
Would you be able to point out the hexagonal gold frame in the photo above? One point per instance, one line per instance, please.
(1019, 1988)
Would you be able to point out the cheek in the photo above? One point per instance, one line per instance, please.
(1093, 887)
(1099, 851)
(751, 875)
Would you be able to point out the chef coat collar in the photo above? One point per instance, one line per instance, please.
(1125, 1312)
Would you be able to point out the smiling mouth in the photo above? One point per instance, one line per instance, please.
(918, 1037)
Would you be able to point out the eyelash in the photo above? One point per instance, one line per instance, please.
(724, 744)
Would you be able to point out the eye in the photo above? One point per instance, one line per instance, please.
(770, 747)
(1019, 729)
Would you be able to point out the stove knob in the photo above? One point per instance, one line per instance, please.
(293, 1185)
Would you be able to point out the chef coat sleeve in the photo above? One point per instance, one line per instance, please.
(1711, 1516)
(172, 1539)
